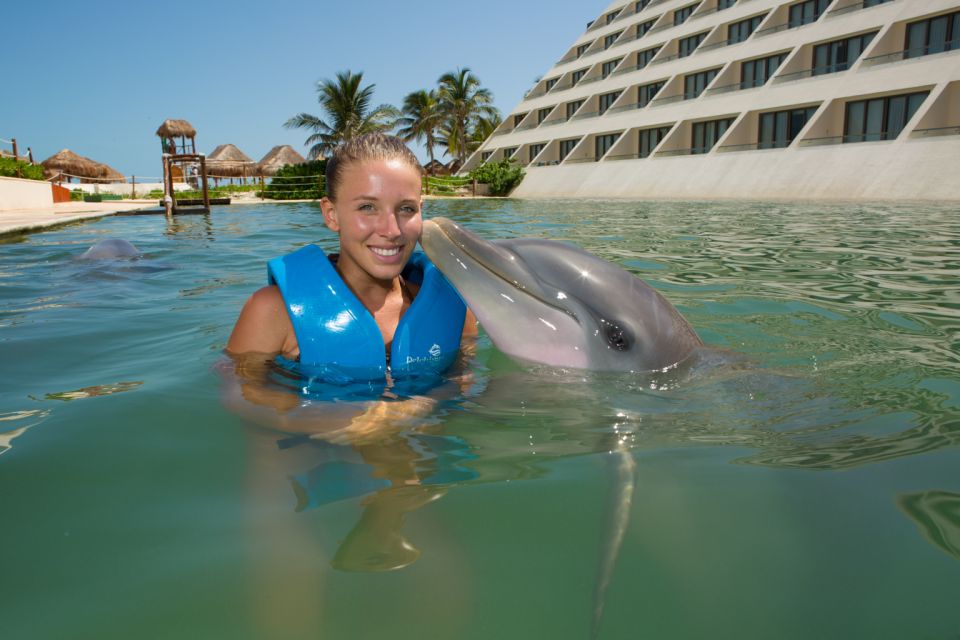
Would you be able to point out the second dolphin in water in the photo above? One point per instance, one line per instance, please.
(111, 249)
(553, 303)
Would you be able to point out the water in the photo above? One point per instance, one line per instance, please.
(802, 484)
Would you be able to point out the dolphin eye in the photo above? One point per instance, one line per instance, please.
(616, 338)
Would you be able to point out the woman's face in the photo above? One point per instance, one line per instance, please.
(377, 215)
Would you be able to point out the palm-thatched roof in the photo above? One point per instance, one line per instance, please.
(227, 160)
(176, 128)
(68, 162)
(277, 157)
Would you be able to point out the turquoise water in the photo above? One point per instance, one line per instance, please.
(803, 484)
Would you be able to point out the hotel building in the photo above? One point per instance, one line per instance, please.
(823, 99)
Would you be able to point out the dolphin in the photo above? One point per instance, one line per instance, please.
(553, 303)
(110, 249)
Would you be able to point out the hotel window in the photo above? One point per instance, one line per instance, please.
(644, 57)
(572, 107)
(686, 46)
(543, 113)
(725, 4)
(575, 78)
(603, 143)
(838, 55)
(509, 151)
(680, 15)
(695, 83)
(740, 31)
(612, 16)
(534, 151)
(640, 5)
(485, 155)
(643, 27)
(649, 139)
(647, 92)
(706, 134)
(755, 73)
(610, 39)
(609, 66)
(582, 49)
(778, 129)
(880, 118)
(933, 35)
(806, 12)
(608, 99)
(566, 146)
(873, 3)
(551, 83)
(517, 119)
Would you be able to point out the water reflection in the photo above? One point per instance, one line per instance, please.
(937, 515)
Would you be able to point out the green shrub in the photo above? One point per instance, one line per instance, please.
(502, 176)
(298, 182)
(10, 169)
(76, 195)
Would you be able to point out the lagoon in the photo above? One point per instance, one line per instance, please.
(804, 485)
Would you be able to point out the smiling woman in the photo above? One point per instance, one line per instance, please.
(346, 313)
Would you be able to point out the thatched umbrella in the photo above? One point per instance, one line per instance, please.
(171, 129)
(68, 162)
(277, 157)
(228, 161)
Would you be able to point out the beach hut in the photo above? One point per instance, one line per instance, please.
(177, 137)
(277, 157)
(68, 164)
(227, 161)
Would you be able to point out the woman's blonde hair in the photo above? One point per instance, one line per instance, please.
(368, 146)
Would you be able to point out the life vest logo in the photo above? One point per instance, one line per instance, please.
(435, 350)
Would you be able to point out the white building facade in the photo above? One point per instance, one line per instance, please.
(808, 99)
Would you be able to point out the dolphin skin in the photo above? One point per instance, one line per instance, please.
(553, 303)
(110, 249)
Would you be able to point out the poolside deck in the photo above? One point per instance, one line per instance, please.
(21, 220)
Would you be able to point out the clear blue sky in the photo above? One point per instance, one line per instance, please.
(99, 77)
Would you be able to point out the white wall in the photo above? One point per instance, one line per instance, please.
(25, 194)
(907, 169)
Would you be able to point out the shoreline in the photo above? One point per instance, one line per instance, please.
(19, 221)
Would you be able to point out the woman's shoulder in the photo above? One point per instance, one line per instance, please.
(263, 325)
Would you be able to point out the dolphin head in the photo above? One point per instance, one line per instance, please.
(111, 249)
(550, 302)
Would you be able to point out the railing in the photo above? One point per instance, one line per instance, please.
(550, 123)
(916, 52)
(708, 12)
(524, 127)
(759, 33)
(624, 156)
(819, 142)
(752, 146)
(588, 114)
(675, 56)
(626, 107)
(582, 160)
(812, 72)
(636, 67)
(684, 152)
(856, 6)
(938, 131)
(736, 86)
(658, 102)
(545, 163)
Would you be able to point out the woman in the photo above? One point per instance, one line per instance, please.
(373, 203)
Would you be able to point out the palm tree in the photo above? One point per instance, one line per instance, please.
(463, 102)
(420, 119)
(348, 113)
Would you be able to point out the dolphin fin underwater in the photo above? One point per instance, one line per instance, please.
(111, 249)
(548, 302)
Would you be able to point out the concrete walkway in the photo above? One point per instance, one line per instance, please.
(21, 220)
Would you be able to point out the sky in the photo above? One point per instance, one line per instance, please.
(99, 77)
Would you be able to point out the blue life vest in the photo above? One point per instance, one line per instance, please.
(338, 337)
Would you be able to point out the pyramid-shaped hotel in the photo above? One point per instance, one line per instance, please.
(822, 99)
